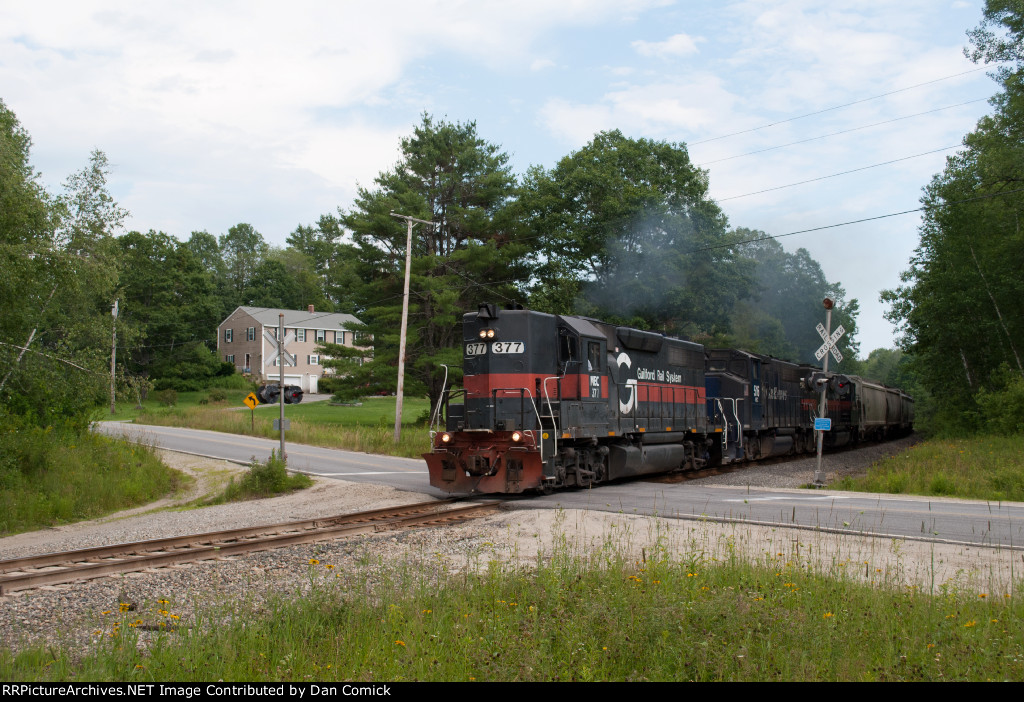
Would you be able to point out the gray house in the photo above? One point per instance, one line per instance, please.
(240, 341)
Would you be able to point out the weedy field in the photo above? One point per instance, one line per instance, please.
(980, 468)
(567, 617)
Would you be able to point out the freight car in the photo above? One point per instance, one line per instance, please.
(560, 401)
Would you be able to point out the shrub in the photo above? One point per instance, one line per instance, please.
(1002, 406)
(168, 397)
(265, 480)
(218, 395)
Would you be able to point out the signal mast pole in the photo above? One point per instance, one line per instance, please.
(819, 477)
(405, 322)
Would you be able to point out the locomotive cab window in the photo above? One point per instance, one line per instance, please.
(568, 348)
(594, 356)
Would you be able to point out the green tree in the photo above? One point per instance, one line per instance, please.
(169, 295)
(242, 249)
(625, 231)
(333, 262)
(957, 310)
(26, 237)
(274, 284)
(450, 176)
(58, 285)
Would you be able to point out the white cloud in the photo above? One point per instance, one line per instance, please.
(676, 45)
(670, 109)
(249, 92)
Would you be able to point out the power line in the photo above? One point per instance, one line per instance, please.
(836, 107)
(844, 131)
(55, 358)
(833, 175)
(856, 221)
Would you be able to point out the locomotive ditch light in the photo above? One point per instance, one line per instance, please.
(516, 436)
(445, 438)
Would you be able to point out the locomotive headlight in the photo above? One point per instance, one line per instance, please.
(486, 333)
(483, 333)
(490, 333)
(516, 436)
(445, 438)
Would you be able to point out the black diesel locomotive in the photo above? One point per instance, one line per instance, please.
(551, 401)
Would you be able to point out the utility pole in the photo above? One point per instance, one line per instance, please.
(405, 322)
(280, 384)
(113, 354)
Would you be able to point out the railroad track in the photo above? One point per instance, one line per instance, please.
(84, 564)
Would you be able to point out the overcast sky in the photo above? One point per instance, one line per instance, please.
(215, 113)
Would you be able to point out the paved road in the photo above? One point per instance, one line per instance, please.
(958, 521)
(943, 520)
(402, 473)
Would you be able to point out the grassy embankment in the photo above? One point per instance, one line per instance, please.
(61, 474)
(981, 468)
(605, 616)
(368, 427)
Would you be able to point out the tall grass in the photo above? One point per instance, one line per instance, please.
(608, 616)
(263, 480)
(983, 467)
(58, 474)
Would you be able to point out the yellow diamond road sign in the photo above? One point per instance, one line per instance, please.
(251, 400)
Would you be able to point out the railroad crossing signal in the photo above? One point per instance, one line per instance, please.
(830, 343)
(277, 349)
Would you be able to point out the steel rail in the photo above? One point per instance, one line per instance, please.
(142, 556)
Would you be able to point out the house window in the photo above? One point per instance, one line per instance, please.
(321, 336)
(300, 334)
(230, 358)
(228, 334)
(339, 337)
(250, 334)
(313, 360)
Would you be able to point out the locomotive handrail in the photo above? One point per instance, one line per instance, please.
(551, 412)
(440, 398)
(524, 392)
(446, 397)
(736, 416)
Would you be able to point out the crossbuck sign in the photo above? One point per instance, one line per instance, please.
(830, 343)
(278, 349)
